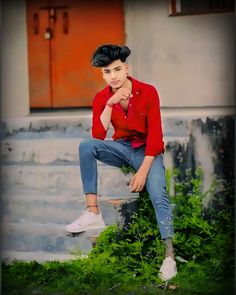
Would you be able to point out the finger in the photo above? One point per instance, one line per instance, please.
(134, 184)
(127, 93)
(124, 96)
(131, 182)
(133, 188)
(140, 187)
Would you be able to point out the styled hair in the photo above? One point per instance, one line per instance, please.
(106, 54)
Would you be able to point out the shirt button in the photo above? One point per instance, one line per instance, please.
(137, 92)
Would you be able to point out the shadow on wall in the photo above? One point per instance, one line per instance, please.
(217, 136)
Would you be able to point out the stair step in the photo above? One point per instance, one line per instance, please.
(48, 126)
(50, 238)
(76, 126)
(39, 256)
(40, 151)
(50, 151)
(61, 209)
(61, 179)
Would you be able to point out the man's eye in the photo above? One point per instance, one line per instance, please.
(117, 70)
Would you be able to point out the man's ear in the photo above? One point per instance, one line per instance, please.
(126, 66)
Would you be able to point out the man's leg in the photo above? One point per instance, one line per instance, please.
(109, 152)
(156, 188)
(92, 203)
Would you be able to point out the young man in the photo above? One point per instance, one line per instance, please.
(132, 107)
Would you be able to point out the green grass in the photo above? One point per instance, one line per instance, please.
(93, 277)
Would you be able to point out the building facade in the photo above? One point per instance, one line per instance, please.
(47, 89)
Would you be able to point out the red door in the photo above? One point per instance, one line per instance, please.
(62, 35)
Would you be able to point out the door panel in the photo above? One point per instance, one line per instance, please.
(39, 53)
(78, 27)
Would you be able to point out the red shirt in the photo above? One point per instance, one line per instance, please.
(141, 124)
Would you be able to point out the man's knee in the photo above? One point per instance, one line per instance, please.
(86, 145)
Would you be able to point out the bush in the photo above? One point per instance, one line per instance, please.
(203, 235)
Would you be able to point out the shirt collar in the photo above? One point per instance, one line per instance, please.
(136, 85)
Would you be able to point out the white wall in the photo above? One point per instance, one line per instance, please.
(14, 60)
(189, 58)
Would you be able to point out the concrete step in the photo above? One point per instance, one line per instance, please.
(48, 126)
(62, 209)
(31, 224)
(39, 256)
(76, 125)
(50, 238)
(40, 151)
(61, 179)
(51, 151)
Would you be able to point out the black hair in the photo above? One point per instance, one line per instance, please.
(106, 54)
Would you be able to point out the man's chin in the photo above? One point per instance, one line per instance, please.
(115, 87)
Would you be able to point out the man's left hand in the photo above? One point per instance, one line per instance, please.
(138, 181)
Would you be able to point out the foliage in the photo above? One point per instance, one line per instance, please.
(204, 233)
(126, 259)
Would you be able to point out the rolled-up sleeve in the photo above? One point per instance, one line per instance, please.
(98, 130)
(154, 144)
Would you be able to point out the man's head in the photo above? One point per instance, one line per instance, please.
(112, 61)
(106, 54)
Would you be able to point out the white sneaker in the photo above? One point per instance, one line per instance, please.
(88, 220)
(168, 269)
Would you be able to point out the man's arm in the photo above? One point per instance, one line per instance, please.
(154, 145)
(98, 130)
(106, 116)
(121, 93)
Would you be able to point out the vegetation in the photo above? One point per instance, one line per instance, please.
(126, 259)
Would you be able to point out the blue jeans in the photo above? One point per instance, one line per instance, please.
(118, 153)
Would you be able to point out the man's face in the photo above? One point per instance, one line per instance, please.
(115, 74)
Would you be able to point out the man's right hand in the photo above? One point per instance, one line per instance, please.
(122, 93)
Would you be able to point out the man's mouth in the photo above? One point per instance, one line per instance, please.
(115, 82)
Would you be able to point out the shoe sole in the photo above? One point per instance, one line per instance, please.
(86, 228)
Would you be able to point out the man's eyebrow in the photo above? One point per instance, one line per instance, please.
(116, 68)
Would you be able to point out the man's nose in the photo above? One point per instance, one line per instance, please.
(113, 75)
